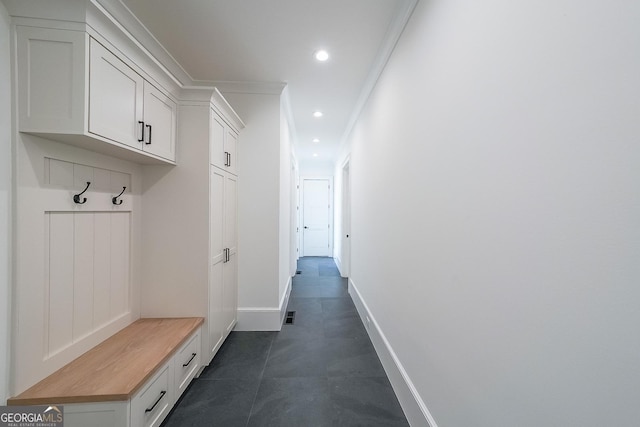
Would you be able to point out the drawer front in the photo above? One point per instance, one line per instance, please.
(154, 401)
(187, 363)
(102, 414)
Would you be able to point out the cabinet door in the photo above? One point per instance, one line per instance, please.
(217, 258)
(115, 98)
(99, 414)
(51, 79)
(218, 156)
(230, 147)
(230, 287)
(230, 292)
(159, 122)
(223, 145)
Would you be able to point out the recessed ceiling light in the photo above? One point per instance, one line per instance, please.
(317, 114)
(315, 154)
(321, 55)
(316, 140)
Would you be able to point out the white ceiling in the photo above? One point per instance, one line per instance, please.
(274, 41)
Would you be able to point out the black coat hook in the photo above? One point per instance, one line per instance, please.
(115, 200)
(76, 197)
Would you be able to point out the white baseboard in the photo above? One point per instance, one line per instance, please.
(412, 404)
(338, 262)
(284, 301)
(263, 318)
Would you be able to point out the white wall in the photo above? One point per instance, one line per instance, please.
(316, 167)
(5, 202)
(499, 253)
(286, 221)
(259, 206)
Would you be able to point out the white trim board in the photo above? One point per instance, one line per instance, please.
(263, 318)
(412, 404)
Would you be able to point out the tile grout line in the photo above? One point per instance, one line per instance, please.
(260, 379)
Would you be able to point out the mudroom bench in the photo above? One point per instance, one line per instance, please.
(132, 379)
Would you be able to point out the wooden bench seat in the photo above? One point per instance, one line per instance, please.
(116, 368)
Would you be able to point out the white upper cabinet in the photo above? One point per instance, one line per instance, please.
(115, 98)
(224, 142)
(74, 89)
(159, 136)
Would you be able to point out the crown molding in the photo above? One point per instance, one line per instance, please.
(147, 41)
(261, 88)
(396, 27)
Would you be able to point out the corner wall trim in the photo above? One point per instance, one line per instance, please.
(414, 407)
(263, 318)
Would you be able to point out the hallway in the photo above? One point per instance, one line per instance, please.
(322, 370)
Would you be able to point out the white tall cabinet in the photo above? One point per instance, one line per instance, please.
(189, 272)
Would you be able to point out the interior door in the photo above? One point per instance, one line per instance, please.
(315, 217)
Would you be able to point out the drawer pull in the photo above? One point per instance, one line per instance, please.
(162, 393)
(193, 355)
(141, 123)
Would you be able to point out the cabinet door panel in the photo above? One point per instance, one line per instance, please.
(115, 98)
(230, 288)
(230, 146)
(216, 226)
(51, 76)
(218, 157)
(230, 293)
(160, 115)
(230, 212)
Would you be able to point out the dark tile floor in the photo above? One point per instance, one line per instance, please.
(320, 371)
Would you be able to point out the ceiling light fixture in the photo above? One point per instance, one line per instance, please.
(321, 55)
(316, 140)
(317, 114)
(315, 154)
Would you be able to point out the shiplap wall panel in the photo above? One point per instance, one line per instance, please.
(60, 322)
(63, 290)
(82, 174)
(88, 273)
(119, 264)
(101, 180)
(83, 262)
(119, 180)
(101, 272)
(60, 173)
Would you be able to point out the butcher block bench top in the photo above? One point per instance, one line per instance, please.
(116, 368)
